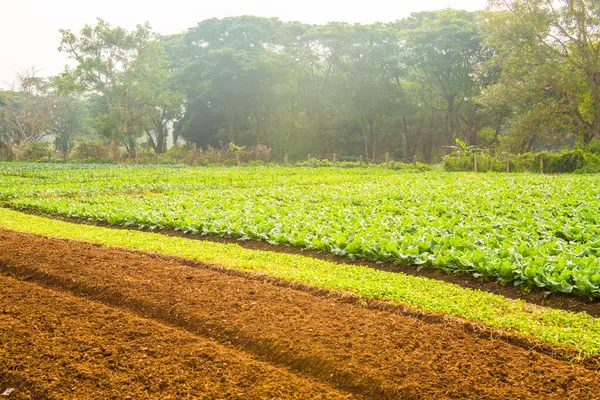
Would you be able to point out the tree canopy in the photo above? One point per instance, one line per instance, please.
(523, 75)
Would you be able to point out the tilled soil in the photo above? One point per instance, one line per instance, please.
(365, 352)
(56, 345)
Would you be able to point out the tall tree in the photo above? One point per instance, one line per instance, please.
(444, 50)
(550, 54)
(129, 69)
(26, 109)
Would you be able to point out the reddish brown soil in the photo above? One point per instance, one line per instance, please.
(369, 353)
(56, 345)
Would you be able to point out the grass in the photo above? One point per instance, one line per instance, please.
(576, 330)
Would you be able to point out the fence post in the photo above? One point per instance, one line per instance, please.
(475, 164)
(309, 160)
(508, 166)
(285, 158)
(387, 159)
(542, 165)
(334, 158)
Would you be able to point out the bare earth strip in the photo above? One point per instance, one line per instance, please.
(55, 345)
(373, 354)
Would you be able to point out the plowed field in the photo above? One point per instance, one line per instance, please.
(80, 321)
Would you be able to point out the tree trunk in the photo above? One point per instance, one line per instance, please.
(131, 147)
(530, 143)
(152, 142)
(449, 125)
(161, 138)
(373, 139)
(593, 83)
(114, 149)
(233, 132)
(472, 130)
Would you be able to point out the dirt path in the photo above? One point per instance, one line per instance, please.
(373, 354)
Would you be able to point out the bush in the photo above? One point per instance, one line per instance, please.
(395, 165)
(6, 153)
(567, 161)
(554, 163)
(521, 163)
(33, 151)
(89, 150)
(593, 147)
(458, 162)
(400, 166)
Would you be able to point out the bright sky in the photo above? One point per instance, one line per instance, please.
(29, 28)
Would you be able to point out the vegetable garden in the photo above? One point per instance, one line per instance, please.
(92, 308)
(524, 229)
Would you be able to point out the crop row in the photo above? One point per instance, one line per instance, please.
(529, 230)
(578, 331)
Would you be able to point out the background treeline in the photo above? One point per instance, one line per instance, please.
(522, 77)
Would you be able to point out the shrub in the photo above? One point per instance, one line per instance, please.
(6, 152)
(33, 151)
(564, 162)
(567, 161)
(90, 150)
(458, 162)
(593, 147)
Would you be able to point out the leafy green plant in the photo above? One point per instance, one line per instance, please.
(526, 229)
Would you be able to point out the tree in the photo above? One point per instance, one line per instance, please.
(550, 57)
(364, 56)
(129, 69)
(26, 109)
(70, 121)
(444, 51)
(168, 98)
(232, 68)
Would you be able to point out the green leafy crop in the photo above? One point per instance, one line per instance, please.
(524, 229)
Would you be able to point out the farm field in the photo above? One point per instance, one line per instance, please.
(102, 309)
(527, 230)
(78, 318)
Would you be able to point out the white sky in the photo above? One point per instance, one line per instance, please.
(29, 28)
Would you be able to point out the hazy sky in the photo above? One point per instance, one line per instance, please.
(29, 28)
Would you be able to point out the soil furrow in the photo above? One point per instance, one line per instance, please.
(55, 345)
(374, 353)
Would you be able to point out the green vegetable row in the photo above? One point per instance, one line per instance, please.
(524, 229)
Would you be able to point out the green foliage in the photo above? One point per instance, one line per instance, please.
(394, 165)
(529, 230)
(351, 88)
(548, 57)
(593, 147)
(458, 162)
(563, 162)
(33, 151)
(90, 150)
(567, 161)
(130, 71)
